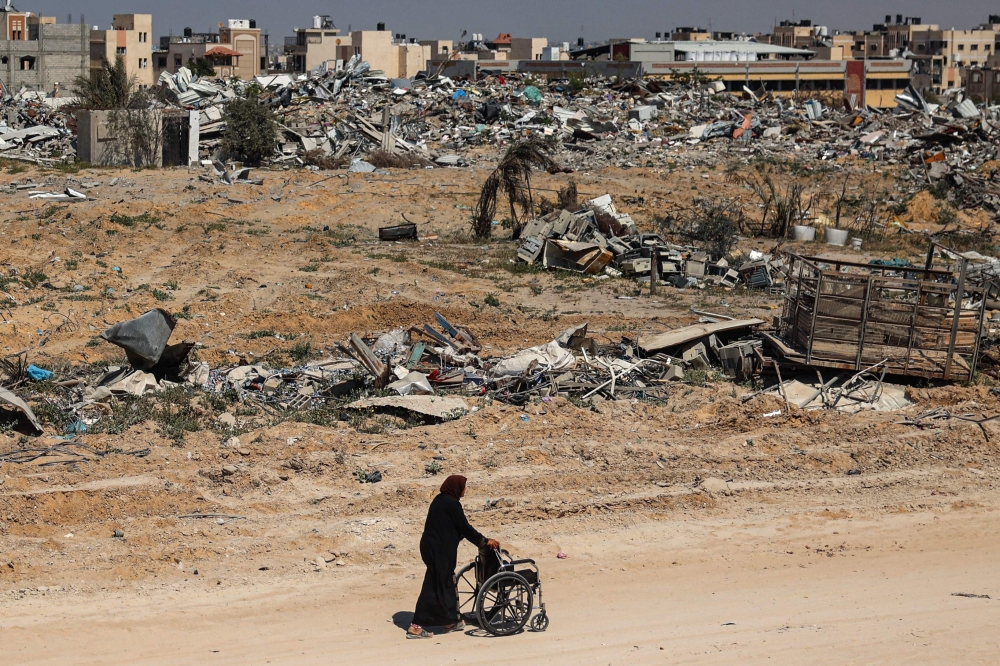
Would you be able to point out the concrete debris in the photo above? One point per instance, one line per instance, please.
(346, 113)
(446, 408)
(598, 239)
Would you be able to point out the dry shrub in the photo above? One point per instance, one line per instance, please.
(383, 159)
(318, 158)
(568, 199)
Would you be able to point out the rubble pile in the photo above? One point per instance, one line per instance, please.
(598, 240)
(592, 123)
(34, 129)
(427, 372)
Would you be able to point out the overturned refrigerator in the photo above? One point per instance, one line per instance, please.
(910, 321)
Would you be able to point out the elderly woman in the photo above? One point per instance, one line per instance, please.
(446, 526)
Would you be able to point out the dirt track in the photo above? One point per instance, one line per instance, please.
(811, 563)
(761, 587)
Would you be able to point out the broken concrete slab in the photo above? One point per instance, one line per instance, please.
(680, 336)
(444, 408)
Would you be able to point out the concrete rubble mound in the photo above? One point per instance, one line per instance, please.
(334, 116)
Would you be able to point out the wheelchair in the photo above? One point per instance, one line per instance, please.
(499, 593)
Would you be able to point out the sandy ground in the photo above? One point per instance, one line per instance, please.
(699, 530)
(690, 591)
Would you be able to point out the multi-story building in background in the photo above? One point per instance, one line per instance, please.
(242, 37)
(130, 36)
(40, 54)
(235, 51)
(311, 47)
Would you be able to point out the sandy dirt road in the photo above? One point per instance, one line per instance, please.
(698, 592)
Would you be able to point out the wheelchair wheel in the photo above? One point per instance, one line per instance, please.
(465, 583)
(540, 622)
(504, 604)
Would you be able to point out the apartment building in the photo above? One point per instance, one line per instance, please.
(313, 46)
(441, 49)
(872, 82)
(130, 36)
(940, 55)
(177, 51)
(240, 41)
(38, 54)
(235, 51)
(689, 34)
(383, 53)
(795, 34)
(527, 48)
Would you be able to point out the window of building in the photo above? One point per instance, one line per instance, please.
(974, 47)
(27, 62)
(977, 77)
(874, 47)
(961, 47)
(120, 50)
(143, 63)
(920, 47)
(162, 62)
(996, 77)
(4, 60)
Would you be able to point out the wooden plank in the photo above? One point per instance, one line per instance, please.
(370, 361)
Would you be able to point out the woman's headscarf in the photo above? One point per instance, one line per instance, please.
(454, 485)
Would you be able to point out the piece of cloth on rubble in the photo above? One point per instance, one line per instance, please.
(414, 383)
(550, 357)
(144, 338)
(444, 529)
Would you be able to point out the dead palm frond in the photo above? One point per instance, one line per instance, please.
(512, 179)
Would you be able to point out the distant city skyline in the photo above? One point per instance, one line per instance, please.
(559, 20)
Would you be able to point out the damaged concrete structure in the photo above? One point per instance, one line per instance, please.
(41, 55)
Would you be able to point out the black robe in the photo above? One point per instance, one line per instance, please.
(445, 528)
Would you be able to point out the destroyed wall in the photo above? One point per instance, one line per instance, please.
(59, 55)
